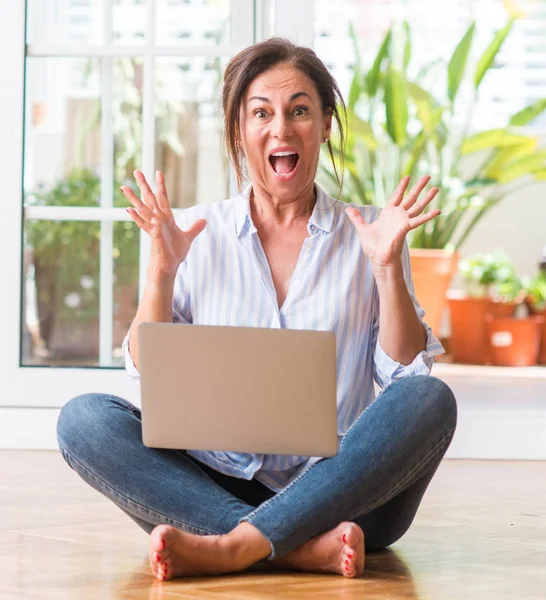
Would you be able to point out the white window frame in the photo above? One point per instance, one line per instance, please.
(27, 387)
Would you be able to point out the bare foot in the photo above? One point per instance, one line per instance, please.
(340, 550)
(175, 553)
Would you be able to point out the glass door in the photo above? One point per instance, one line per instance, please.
(98, 89)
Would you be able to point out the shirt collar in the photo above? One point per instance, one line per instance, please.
(322, 216)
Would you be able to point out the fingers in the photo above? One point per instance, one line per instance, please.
(144, 225)
(162, 197)
(416, 221)
(413, 194)
(141, 208)
(398, 194)
(196, 228)
(145, 190)
(356, 217)
(418, 207)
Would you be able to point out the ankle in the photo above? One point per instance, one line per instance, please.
(246, 545)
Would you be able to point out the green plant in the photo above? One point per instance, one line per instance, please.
(491, 275)
(535, 288)
(398, 126)
(66, 253)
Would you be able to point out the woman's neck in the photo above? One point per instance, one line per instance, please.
(268, 210)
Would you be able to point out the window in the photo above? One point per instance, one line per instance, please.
(517, 78)
(111, 87)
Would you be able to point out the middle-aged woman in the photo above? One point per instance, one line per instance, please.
(280, 254)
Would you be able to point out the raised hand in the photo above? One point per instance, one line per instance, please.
(170, 244)
(383, 239)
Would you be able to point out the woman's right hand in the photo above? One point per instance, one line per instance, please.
(170, 244)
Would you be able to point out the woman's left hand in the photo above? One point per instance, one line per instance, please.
(383, 239)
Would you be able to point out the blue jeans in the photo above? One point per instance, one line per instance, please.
(385, 462)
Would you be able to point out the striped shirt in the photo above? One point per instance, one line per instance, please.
(226, 280)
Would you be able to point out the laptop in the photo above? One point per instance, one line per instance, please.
(238, 389)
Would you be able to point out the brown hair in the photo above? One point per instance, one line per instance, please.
(245, 66)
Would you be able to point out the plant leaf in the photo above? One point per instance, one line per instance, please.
(492, 138)
(528, 113)
(506, 156)
(528, 165)
(396, 105)
(352, 35)
(425, 105)
(407, 45)
(356, 82)
(362, 128)
(457, 64)
(372, 77)
(355, 90)
(490, 53)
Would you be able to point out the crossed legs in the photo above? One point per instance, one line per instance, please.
(373, 486)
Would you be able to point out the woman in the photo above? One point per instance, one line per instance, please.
(281, 254)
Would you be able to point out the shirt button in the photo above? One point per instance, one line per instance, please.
(309, 245)
(297, 281)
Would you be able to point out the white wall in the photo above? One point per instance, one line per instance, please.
(517, 225)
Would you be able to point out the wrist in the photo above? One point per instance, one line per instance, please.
(158, 277)
(388, 272)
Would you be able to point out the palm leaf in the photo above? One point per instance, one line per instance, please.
(528, 113)
(457, 64)
(525, 166)
(396, 105)
(492, 138)
(490, 53)
(372, 77)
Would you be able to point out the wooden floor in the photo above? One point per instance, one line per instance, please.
(480, 533)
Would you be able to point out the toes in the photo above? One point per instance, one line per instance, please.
(158, 537)
(353, 538)
(163, 570)
(348, 569)
(351, 535)
(348, 565)
(158, 552)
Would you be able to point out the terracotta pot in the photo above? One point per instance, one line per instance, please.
(502, 309)
(514, 342)
(542, 351)
(468, 340)
(432, 272)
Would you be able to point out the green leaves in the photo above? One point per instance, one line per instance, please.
(490, 53)
(398, 126)
(428, 111)
(505, 156)
(527, 165)
(492, 138)
(362, 128)
(457, 64)
(396, 105)
(373, 75)
(528, 113)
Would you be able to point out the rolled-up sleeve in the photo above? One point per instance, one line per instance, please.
(386, 369)
(181, 314)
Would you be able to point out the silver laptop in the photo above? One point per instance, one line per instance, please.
(238, 389)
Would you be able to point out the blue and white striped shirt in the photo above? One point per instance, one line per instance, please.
(226, 280)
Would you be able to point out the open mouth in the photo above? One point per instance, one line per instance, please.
(284, 163)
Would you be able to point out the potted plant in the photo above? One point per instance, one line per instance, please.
(514, 342)
(397, 125)
(490, 286)
(536, 303)
(65, 255)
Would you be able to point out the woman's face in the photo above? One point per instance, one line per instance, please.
(282, 127)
